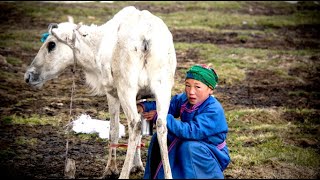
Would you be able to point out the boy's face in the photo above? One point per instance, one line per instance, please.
(196, 91)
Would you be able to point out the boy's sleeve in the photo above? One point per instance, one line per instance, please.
(203, 125)
(174, 107)
(148, 106)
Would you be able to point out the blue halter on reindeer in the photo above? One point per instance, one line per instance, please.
(44, 36)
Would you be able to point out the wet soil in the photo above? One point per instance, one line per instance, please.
(45, 158)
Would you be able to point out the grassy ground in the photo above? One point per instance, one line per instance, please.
(265, 53)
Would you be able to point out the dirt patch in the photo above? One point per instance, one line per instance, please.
(287, 39)
(45, 158)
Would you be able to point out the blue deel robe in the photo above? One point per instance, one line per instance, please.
(196, 143)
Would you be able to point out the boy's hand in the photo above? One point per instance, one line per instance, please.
(140, 109)
(149, 115)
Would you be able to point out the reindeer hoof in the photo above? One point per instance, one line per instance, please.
(137, 169)
(110, 174)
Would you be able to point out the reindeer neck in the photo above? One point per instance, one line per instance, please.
(88, 46)
(88, 58)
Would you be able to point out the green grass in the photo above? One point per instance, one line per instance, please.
(279, 151)
(259, 135)
(200, 19)
(33, 120)
(6, 75)
(27, 40)
(203, 15)
(232, 63)
(22, 140)
(14, 61)
(7, 153)
(55, 12)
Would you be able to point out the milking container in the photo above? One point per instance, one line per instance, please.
(146, 127)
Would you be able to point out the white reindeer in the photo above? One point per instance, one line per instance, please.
(132, 54)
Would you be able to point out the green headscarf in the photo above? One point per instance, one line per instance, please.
(204, 74)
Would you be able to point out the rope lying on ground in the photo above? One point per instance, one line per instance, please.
(126, 145)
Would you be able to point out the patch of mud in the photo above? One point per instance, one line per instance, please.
(23, 157)
(288, 38)
(266, 89)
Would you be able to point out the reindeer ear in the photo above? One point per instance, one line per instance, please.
(61, 34)
(70, 19)
(83, 32)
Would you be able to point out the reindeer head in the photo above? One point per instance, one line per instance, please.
(54, 56)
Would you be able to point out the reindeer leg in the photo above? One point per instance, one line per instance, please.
(114, 110)
(137, 163)
(162, 95)
(128, 104)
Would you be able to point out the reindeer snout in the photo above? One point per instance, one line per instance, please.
(30, 77)
(27, 77)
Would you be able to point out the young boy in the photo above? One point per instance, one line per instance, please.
(197, 142)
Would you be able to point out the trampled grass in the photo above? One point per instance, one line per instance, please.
(257, 136)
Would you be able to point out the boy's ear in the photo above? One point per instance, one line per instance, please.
(211, 91)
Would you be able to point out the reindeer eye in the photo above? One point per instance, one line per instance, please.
(51, 46)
